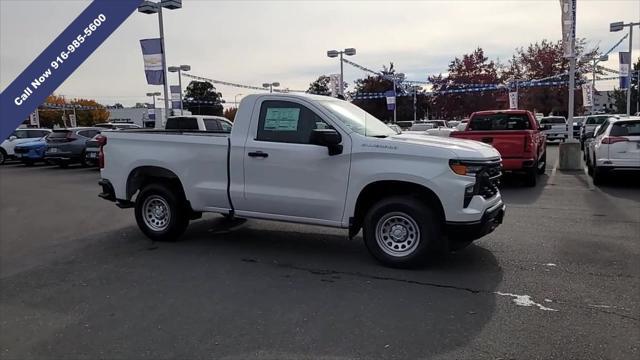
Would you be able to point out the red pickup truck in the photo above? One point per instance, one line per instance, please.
(515, 134)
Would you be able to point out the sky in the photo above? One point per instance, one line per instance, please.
(253, 42)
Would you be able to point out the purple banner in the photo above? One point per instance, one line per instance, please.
(625, 61)
(152, 56)
(60, 59)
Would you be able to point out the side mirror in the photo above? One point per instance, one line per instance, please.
(12, 137)
(329, 138)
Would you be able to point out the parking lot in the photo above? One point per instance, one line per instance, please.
(559, 279)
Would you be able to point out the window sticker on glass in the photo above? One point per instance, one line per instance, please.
(282, 119)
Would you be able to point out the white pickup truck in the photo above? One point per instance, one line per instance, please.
(314, 160)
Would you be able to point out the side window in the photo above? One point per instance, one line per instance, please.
(288, 122)
(602, 129)
(22, 134)
(212, 125)
(226, 127)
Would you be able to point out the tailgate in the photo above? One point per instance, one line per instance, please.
(510, 144)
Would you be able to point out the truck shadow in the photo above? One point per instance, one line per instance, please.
(290, 291)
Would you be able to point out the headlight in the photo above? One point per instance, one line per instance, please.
(464, 168)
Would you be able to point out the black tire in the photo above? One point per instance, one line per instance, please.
(63, 164)
(419, 230)
(3, 156)
(531, 176)
(28, 162)
(599, 176)
(542, 169)
(83, 160)
(174, 206)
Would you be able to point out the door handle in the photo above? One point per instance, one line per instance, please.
(258, 154)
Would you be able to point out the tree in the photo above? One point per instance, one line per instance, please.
(90, 117)
(201, 98)
(543, 60)
(322, 86)
(382, 83)
(620, 96)
(230, 113)
(474, 68)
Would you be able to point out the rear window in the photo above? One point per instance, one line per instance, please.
(596, 120)
(625, 128)
(212, 125)
(553, 120)
(58, 134)
(500, 122)
(182, 123)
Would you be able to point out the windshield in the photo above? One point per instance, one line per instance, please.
(553, 120)
(579, 119)
(357, 119)
(596, 120)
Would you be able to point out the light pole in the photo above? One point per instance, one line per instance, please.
(153, 95)
(617, 26)
(336, 53)
(270, 86)
(235, 99)
(395, 107)
(179, 70)
(150, 7)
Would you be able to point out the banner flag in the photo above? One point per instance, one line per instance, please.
(34, 119)
(513, 100)
(60, 59)
(151, 114)
(175, 96)
(334, 84)
(152, 56)
(391, 100)
(587, 94)
(625, 60)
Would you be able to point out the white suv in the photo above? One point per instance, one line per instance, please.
(616, 147)
(20, 136)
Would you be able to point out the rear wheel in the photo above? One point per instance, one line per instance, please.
(531, 176)
(599, 176)
(161, 214)
(402, 232)
(3, 156)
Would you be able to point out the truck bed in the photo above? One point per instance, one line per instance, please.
(510, 143)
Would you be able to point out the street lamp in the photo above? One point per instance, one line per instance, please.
(270, 86)
(150, 7)
(336, 53)
(235, 99)
(618, 26)
(179, 70)
(153, 95)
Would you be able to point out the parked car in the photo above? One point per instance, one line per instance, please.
(67, 146)
(462, 125)
(118, 126)
(199, 123)
(404, 124)
(615, 148)
(590, 124)
(578, 122)
(516, 135)
(31, 152)
(17, 137)
(558, 127)
(92, 150)
(315, 160)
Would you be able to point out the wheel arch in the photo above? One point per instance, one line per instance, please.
(144, 175)
(377, 190)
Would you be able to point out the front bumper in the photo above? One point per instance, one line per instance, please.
(469, 231)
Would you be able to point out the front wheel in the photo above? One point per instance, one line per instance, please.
(599, 176)
(402, 232)
(531, 176)
(160, 213)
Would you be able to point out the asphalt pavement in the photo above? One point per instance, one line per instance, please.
(560, 279)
